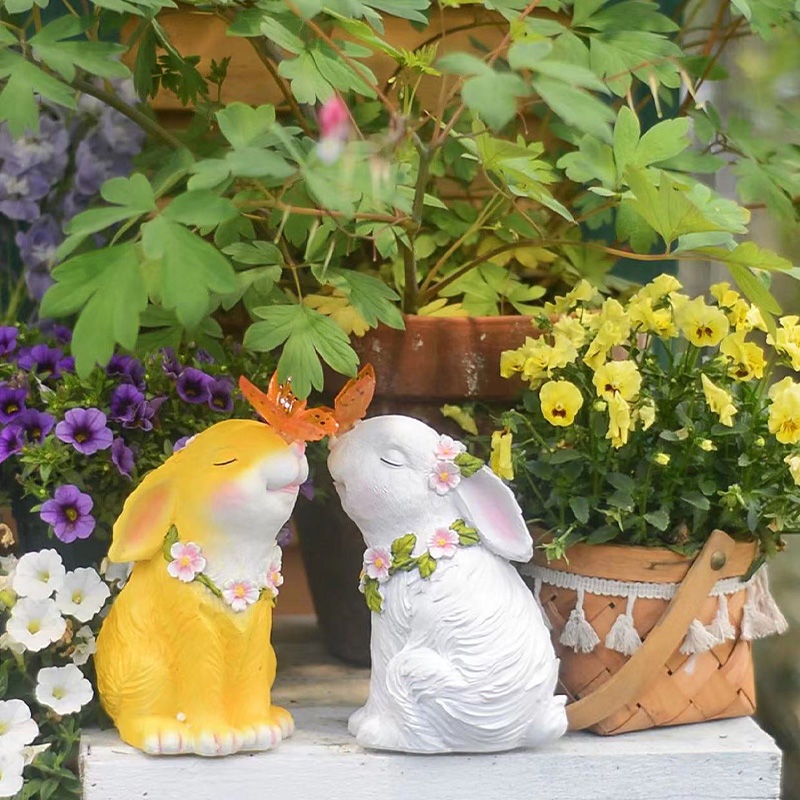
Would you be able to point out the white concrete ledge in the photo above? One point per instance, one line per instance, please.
(725, 760)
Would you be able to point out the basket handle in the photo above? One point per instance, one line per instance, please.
(660, 643)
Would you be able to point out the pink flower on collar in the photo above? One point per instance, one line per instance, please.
(445, 476)
(187, 561)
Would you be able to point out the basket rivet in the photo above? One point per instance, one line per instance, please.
(718, 560)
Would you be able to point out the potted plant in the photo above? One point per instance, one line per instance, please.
(475, 177)
(646, 429)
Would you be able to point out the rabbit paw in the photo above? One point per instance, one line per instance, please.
(355, 720)
(379, 733)
(157, 735)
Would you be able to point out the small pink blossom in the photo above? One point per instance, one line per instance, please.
(334, 129)
(187, 561)
(448, 449)
(445, 476)
(239, 594)
(443, 543)
(376, 564)
(274, 578)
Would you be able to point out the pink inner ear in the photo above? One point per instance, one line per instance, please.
(148, 515)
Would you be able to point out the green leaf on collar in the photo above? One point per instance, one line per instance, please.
(468, 464)
(372, 595)
(426, 564)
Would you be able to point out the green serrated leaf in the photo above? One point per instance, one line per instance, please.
(202, 208)
(192, 269)
(372, 594)
(306, 336)
(426, 564)
(403, 546)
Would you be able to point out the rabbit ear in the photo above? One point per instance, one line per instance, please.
(488, 504)
(145, 519)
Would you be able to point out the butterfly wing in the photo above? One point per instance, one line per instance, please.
(286, 414)
(352, 402)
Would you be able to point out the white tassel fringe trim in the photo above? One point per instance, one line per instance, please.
(760, 617)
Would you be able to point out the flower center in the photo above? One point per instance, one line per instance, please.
(77, 598)
(58, 692)
(81, 437)
(704, 332)
(71, 513)
(185, 561)
(239, 590)
(34, 626)
(559, 411)
(43, 576)
(379, 562)
(11, 408)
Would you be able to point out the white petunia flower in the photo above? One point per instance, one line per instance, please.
(16, 726)
(64, 689)
(11, 766)
(38, 574)
(84, 645)
(8, 566)
(116, 573)
(82, 594)
(29, 753)
(35, 623)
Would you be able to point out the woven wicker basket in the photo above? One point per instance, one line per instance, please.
(675, 687)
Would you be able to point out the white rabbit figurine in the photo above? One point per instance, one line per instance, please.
(461, 658)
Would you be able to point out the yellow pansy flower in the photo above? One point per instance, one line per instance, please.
(619, 421)
(662, 459)
(745, 359)
(500, 458)
(660, 287)
(542, 358)
(787, 339)
(703, 325)
(560, 402)
(511, 362)
(617, 379)
(652, 320)
(784, 412)
(794, 467)
(571, 329)
(646, 414)
(719, 401)
(724, 295)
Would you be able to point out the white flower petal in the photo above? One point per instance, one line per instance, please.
(82, 594)
(11, 766)
(35, 623)
(16, 726)
(64, 689)
(38, 574)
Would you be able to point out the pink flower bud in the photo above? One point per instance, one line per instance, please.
(334, 119)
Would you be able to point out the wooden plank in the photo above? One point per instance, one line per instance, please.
(730, 759)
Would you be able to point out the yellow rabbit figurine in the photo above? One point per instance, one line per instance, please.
(184, 659)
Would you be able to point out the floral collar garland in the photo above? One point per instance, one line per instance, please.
(185, 561)
(380, 564)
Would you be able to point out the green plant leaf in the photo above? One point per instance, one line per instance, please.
(306, 337)
(626, 138)
(370, 296)
(245, 126)
(108, 287)
(191, 269)
(580, 508)
(576, 106)
(372, 594)
(202, 208)
(426, 564)
(55, 45)
(23, 82)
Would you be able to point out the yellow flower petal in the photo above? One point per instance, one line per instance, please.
(560, 402)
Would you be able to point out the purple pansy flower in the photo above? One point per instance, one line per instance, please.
(68, 513)
(170, 364)
(145, 414)
(85, 429)
(35, 424)
(127, 369)
(122, 457)
(42, 360)
(194, 385)
(8, 339)
(12, 402)
(12, 440)
(220, 392)
(124, 404)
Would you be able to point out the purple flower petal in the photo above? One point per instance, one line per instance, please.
(125, 403)
(44, 360)
(85, 429)
(35, 424)
(68, 513)
(8, 339)
(122, 457)
(193, 386)
(12, 402)
(221, 395)
(12, 440)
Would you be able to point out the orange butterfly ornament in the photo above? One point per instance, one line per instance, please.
(352, 402)
(286, 414)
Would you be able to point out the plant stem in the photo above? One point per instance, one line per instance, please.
(146, 123)
(411, 293)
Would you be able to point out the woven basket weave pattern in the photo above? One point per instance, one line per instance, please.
(711, 685)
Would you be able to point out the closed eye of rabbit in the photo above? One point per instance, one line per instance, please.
(393, 458)
(222, 458)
